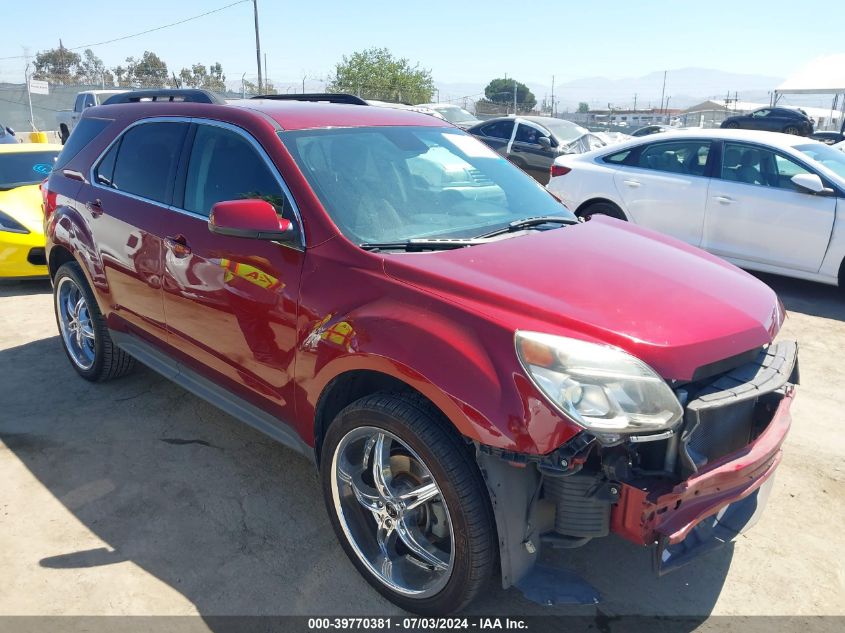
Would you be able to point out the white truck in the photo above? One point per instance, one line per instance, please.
(66, 119)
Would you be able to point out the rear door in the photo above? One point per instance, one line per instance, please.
(664, 186)
(231, 302)
(756, 215)
(497, 134)
(128, 198)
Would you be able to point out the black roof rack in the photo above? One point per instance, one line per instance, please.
(190, 95)
(329, 97)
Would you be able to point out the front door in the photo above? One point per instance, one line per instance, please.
(755, 214)
(128, 204)
(527, 152)
(231, 302)
(664, 186)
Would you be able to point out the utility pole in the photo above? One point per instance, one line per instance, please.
(29, 97)
(663, 92)
(514, 97)
(257, 47)
(635, 102)
(553, 95)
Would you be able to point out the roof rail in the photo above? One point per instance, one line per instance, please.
(190, 95)
(329, 97)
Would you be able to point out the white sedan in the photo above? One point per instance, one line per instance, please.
(762, 200)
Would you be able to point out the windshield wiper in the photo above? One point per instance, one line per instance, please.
(527, 223)
(422, 244)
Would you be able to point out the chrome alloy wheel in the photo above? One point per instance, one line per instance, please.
(75, 323)
(392, 512)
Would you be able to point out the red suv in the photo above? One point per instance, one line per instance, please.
(476, 373)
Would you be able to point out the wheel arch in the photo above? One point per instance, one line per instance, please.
(59, 255)
(598, 199)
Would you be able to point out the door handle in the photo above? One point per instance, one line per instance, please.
(632, 183)
(723, 199)
(95, 207)
(178, 245)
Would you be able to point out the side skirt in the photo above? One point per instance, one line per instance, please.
(219, 396)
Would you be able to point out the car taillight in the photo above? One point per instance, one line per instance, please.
(48, 200)
(560, 170)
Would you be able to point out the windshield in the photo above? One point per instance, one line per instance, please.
(564, 130)
(454, 114)
(25, 168)
(826, 155)
(387, 184)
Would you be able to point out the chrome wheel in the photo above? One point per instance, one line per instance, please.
(392, 512)
(75, 323)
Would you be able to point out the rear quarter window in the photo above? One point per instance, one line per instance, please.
(618, 158)
(84, 132)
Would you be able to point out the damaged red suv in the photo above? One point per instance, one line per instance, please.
(477, 374)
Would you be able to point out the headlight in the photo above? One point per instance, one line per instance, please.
(9, 224)
(602, 388)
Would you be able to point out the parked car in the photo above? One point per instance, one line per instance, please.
(22, 167)
(828, 138)
(775, 119)
(533, 142)
(7, 135)
(453, 114)
(763, 201)
(651, 129)
(404, 106)
(67, 119)
(465, 402)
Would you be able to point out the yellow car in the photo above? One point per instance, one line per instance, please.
(22, 167)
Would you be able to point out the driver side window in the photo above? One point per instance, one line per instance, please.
(224, 165)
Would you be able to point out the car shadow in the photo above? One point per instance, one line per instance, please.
(235, 522)
(12, 288)
(807, 297)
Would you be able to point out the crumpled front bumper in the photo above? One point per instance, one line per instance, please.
(715, 504)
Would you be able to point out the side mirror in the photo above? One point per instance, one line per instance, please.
(810, 183)
(252, 218)
(10, 130)
(545, 141)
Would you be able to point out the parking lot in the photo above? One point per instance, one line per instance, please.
(134, 497)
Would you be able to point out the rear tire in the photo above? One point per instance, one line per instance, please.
(63, 134)
(405, 434)
(731, 125)
(602, 208)
(791, 129)
(82, 328)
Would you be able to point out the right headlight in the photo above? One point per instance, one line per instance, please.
(602, 388)
(10, 225)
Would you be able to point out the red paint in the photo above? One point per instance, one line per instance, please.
(642, 516)
(244, 215)
(276, 325)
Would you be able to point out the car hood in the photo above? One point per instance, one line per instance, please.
(24, 205)
(672, 305)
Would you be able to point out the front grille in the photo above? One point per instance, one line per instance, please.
(37, 257)
(723, 417)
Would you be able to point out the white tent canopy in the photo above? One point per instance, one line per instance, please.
(823, 75)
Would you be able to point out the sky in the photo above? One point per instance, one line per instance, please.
(458, 40)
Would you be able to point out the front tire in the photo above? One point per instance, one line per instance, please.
(408, 504)
(82, 328)
(791, 129)
(731, 125)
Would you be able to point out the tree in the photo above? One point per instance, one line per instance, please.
(148, 72)
(211, 78)
(500, 91)
(583, 106)
(376, 74)
(92, 70)
(57, 65)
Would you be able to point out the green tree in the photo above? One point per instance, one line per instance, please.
(57, 65)
(92, 70)
(500, 91)
(583, 106)
(148, 72)
(376, 74)
(211, 78)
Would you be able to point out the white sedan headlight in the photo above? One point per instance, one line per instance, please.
(602, 388)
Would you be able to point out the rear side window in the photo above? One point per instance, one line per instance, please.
(682, 157)
(618, 158)
(225, 166)
(144, 161)
(83, 133)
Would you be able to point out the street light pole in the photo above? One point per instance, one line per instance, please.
(257, 46)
